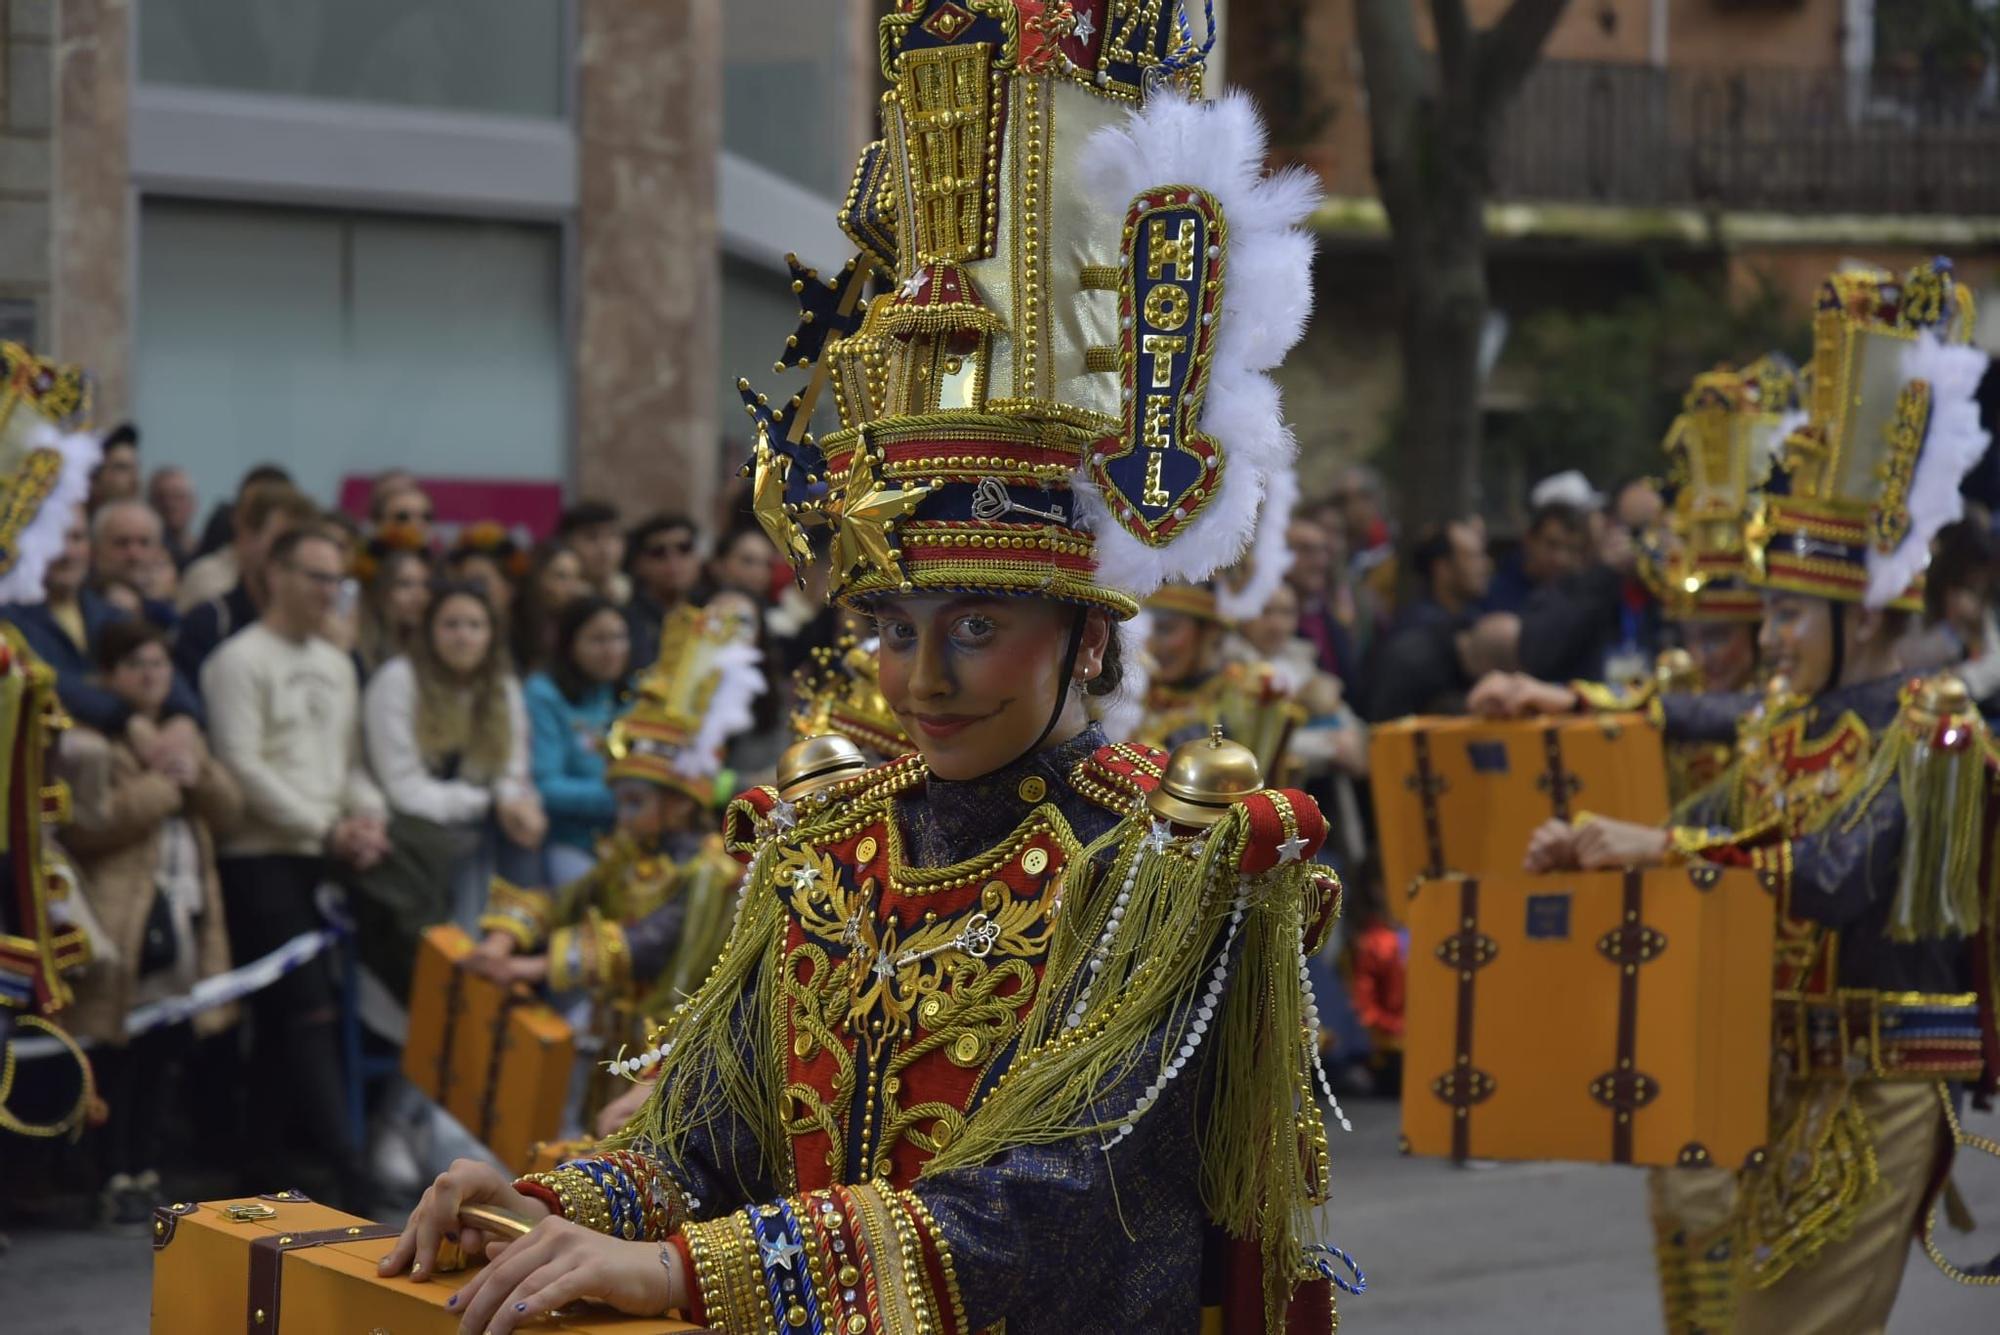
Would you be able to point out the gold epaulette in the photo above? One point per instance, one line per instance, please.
(592, 954)
(519, 912)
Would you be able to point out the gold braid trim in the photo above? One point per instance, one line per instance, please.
(729, 1274)
(1926, 1234)
(71, 1122)
(1809, 1191)
(519, 912)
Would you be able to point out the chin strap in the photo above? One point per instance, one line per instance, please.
(1838, 664)
(1062, 688)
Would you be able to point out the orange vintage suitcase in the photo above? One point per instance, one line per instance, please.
(281, 1265)
(1620, 1017)
(1462, 795)
(496, 1060)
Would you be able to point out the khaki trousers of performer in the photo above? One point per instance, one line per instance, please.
(1851, 1285)
(1695, 1245)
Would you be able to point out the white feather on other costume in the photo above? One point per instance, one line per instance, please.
(40, 540)
(1953, 443)
(1266, 298)
(1121, 712)
(740, 670)
(1270, 558)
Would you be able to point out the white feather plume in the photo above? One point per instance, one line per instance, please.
(1121, 712)
(1953, 444)
(1270, 557)
(1266, 298)
(40, 540)
(740, 680)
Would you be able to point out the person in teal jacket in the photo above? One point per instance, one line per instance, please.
(570, 708)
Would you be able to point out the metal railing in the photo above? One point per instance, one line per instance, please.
(1801, 141)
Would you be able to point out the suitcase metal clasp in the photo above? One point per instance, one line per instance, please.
(248, 1212)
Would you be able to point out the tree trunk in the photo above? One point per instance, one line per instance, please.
(1441, 269)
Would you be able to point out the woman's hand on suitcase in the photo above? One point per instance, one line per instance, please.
(560, 1263)
(466, 1182)
(1602, 844)
(1552, 847)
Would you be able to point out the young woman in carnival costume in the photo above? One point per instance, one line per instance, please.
(1012, 1029)
(1867, 801)
(47, 454)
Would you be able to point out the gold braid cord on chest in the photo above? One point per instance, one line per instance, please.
(904, 985)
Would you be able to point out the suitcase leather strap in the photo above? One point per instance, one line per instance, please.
(1465, 952)
(1625, 1089)
(267, 1266)
(496, 1051)
(1428, 784)
(454, 995)
(1555, 780)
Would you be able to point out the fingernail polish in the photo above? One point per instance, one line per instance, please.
(451, 1301)
(451, 1237)
(520, 1307)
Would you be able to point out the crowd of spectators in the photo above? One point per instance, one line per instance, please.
(286, 717)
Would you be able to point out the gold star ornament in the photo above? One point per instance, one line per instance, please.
(767, 501)
(866, 518)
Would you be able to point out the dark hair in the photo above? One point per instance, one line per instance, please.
(125, 637)
(585, 514)
(266, 499)
(1112, 674)
(122, 434)
(292, 539)
(646, 530)
(1961, 553)
(577, 614)
(1556, 512)
(527, 630)
(262, 473)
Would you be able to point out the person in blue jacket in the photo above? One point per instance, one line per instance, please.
(571, 706)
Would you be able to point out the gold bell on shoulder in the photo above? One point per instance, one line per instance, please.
(814, 763)
(1204, 779)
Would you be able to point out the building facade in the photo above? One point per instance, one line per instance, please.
(518, 239)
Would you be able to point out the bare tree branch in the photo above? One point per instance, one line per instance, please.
(1454, 38)
(1509, 49)
(1392, 69)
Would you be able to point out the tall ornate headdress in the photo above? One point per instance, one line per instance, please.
(1862, 488)
(1719, 455)
(1063, 390)
(689, 704)
(46, 455)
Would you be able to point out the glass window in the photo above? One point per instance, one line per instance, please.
(341, 343)
(467, 55)
(787, 82)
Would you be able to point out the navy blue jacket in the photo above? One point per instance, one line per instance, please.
(87, 702)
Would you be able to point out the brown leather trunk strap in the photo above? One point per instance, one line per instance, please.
(489, 1094)
(267, 1266)
(1625, 1089)
(1557, 781)
(1428, 785)
(454, 995)
(1465, 952)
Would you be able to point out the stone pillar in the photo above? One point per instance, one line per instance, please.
(649, 123)
(91, 215)
(27, 114)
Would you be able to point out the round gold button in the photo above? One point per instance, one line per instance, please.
(1035, 861)
(967, 1049)
(865, 850)
(802, 1046)
(1032, 789)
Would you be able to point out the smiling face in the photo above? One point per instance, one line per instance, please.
(1180, 646)
(1797, 641)
(973, 679)
(461, 633)
(1724, 653)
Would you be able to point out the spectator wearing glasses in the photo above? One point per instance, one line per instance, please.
(399, 502)
(663, 561)
(590, 529)
(286, 722)
(269, 512)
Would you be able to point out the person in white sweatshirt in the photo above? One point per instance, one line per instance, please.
(447, 736)
(283, 709)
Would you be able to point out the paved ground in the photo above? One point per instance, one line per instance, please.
(1482, 1251)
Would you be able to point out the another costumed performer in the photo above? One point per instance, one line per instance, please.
(1012, 1029)
(1866, 799)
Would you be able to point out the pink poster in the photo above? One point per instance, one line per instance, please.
(528, 510)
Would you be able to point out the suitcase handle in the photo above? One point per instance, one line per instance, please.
(502, 1224)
